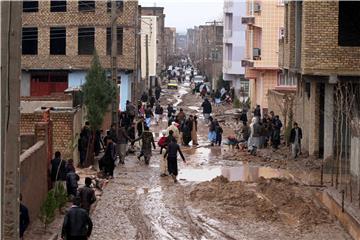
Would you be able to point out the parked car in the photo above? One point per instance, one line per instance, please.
(172, 84)
(198, 79)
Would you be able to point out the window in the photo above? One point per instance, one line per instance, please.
(29, 41)
(86, 6)
(119, 41)
(86, 41)
(287, 79)
(30, 6)
(57, 41)
(57, 6)
(349, 23)
(119, 5)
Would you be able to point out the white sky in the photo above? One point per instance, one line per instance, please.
(184, 14)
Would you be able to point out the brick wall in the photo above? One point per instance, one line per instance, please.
(320, 50)
(72, 19)
(63, 129)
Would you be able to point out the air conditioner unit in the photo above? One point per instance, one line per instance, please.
(257, 53)
(257, 7)
(248, 20)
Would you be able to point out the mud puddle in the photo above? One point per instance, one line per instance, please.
(244, 173)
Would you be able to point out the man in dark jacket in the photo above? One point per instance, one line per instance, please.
(144, 98)
(276, 132)
(87, 195)
(207, 110)
(24, 218)
(77, 223)
(171, 155)
(58, 171)
(72, 182)
(257, 112)
(170, 110)
(123, 139)
(157, 92)
(130, 111)
(295, 140)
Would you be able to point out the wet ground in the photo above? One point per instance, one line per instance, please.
(257, 202)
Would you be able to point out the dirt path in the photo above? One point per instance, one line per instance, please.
(139, 204)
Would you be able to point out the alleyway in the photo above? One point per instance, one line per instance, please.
(139, 204)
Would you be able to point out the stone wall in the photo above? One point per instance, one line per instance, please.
(33, 177)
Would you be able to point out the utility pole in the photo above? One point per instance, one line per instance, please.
(147, 61)
(115, 104)
(10, 118)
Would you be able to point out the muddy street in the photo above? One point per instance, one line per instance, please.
(215, 198)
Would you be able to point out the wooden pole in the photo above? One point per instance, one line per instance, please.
(10, 118)
(114, 78)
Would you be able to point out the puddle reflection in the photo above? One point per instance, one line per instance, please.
(242, 173)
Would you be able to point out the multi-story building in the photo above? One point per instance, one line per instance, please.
(60, 37)
(190, 40)
(180, 43)
(149, 52)
(234, 48)
(265, 22)
(170, 43)
(159, 13)
(320, 53)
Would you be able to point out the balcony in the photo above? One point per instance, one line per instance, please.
(248, 20)
(227, 34)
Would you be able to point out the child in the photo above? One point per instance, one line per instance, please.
(162, 141)
(219, 132)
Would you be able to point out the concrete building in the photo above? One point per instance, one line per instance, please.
(190, 40)
(59, 38)
(180, 43)
(149, 32)
(265, 22)
(169, 44)
(234, 48)
(208, 51)
(159, 13)
(320, 53)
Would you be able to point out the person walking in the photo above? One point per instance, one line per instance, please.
(108, 160)
(152, 102)
(144, 98)
(140, 126)
(194, 131)
(170, 111)
(276, 132)
(157, 92)
(130, 111)
(148, 115)
(58, 169)
(176, 133)
(147, 139)
(24, 218)
(295, 140)
(171, 154)
(181, 116)
(219, 132)
(123, 139)
(206, 105)
(212, 133)
(87, 195)
(72, 183)
(255, 134)
(257, 112)
(186, 131)
(159, 111)
(77, 224)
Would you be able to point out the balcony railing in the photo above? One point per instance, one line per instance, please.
(227, 64)
(227, 34)
(248, 20)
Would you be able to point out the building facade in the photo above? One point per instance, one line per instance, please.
(159, 13)
(149, 52)
(60, 37)
(170, 43)
(234, 48)
(320, 52)
(265, 22)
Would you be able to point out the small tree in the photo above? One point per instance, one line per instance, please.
(47, 209)
(60, 195)
(98, 94)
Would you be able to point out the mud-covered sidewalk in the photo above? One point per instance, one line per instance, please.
(266, 204)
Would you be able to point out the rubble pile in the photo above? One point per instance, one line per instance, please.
(271, 200)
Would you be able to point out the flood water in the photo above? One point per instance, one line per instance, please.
(244, 173)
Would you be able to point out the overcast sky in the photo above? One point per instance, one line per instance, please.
(184, 14)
